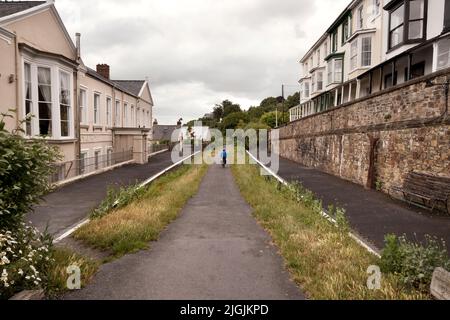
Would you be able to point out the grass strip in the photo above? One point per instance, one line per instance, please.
(57, 275)
(131, 228)
(324, 260)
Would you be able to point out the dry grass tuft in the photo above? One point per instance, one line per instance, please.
(132, 227)
(322, 259)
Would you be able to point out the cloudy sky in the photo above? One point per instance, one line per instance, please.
(197, 53)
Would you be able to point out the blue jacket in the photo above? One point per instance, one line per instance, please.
(224, 155)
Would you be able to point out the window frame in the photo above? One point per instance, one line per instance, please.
(334, 41)
(319, 80)
(69, 106)
(363, 52)
(117, 113)
(307, 89)
(406, 23)
(96, 108)
(354, 55)
(360, 17)
(109, 111)
(83, 106)
(55, 68)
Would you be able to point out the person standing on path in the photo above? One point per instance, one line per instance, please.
(224, 157)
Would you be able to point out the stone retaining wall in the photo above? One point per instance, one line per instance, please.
(410, 121)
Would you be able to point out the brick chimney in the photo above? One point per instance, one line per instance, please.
(103, 70)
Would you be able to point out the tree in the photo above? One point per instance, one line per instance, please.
(270, 119)
(292, 101)
(218, 112)
(235, 119)
(269, 104)
(229, 108)
(25, 168)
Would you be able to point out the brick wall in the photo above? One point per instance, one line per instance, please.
(409, 120)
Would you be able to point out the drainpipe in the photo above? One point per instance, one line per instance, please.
(76, 96)
(16, 51)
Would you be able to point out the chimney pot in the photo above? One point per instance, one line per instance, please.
(103, 70)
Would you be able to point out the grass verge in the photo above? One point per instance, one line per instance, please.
(132, 227)
(324, 260)
(57, 274)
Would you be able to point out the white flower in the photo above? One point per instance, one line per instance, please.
(20, 272)
(4, 260)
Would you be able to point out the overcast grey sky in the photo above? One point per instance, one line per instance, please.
(197, 53)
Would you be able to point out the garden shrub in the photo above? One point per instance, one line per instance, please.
(25, 258)
(25, 168)
(413, 262)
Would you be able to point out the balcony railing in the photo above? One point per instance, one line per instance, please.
(72, 169)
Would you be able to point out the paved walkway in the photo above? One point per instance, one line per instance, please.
(214, 251)
(71, 204)
(371, 213)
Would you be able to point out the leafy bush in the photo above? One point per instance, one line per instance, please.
(117, 198)
(25, 258)
(414, 263)
(25, 168)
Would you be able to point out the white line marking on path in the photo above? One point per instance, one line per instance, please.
(148, 181)
(324, 214)
(71, 230)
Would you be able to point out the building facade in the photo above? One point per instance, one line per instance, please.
(372, 46)
(54, 95)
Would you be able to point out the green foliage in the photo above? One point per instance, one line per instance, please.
(414, 263)
(270, 119)
(254, 114)
(25, 168)
(117, 198)
(233, 120)
(25, 259)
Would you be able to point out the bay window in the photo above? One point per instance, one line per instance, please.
(407, 22)
(47, 104)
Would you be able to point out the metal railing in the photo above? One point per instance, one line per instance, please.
(158, 147)
(71, 169)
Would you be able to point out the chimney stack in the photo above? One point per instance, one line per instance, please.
(103, 70)
(78, 44)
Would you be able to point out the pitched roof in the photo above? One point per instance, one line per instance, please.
(98, 76)
(133, 86)
(8, 8)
